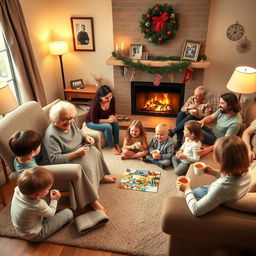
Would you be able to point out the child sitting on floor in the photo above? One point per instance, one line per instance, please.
(233, 179)
(135, 142)
(188, 152)
(32, 218)
(161, 147)
(25, 145)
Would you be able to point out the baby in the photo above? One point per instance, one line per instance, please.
(161, 147)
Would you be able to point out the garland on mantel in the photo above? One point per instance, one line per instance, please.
(153, 70)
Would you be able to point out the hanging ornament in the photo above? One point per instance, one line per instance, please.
(243, 46)
(157, 79)
(171, 77)
(162, 21)
(133, 74)
(147, 29)
(188, 74)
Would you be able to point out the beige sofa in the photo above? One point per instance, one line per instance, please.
(31, 116)
(222, 227)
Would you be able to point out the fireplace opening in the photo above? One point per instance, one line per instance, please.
(163, 100)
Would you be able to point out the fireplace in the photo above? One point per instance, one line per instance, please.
(163, 100)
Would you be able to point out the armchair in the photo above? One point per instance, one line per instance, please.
(30, 115)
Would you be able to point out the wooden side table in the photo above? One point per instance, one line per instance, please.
(81, 96)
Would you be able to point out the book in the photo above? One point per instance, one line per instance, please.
(140, 180)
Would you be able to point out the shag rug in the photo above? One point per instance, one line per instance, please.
(134, 217)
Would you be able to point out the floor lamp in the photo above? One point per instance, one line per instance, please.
(59, 48)
(243, 80)
(8, 103)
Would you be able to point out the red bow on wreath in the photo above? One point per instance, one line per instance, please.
(160, 21)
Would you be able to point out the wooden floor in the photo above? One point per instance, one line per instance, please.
(16, 247)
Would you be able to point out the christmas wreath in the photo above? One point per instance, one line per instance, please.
(160, 23)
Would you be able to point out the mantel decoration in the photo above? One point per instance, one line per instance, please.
(158, 71)
(178, 64)
(160, 23)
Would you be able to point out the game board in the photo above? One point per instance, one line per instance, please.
(140, 180)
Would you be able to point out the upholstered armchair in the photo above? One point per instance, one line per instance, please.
(31, 116)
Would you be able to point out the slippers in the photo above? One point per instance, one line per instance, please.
(119, 118)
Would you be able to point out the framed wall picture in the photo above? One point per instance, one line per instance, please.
(83, 34)
(77, 84)
(136, 51)
(190, 50)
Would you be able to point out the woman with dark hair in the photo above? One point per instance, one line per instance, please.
(101, 117)
(228, 121)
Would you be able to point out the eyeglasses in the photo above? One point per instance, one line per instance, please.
(64, 119)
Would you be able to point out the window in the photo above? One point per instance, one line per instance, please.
(6, 67)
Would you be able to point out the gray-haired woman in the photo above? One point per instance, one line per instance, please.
(65, 143)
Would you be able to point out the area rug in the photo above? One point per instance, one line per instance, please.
(134, 217)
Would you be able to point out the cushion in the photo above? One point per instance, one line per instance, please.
(90, 220)
(245, 204)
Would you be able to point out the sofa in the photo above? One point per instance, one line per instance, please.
(31, 116)
(232, 226)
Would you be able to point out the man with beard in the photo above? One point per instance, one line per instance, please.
(196, 108)
(228, 121)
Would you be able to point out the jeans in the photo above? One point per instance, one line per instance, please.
(53, 224)
(200, 191)
(181, 119)
(208, 137)
(110, 130)
(180, 168)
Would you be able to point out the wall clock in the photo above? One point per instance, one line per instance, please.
(235, 31)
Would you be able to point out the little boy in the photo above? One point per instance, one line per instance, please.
(25, 145)
(161, 147)
(32, 218)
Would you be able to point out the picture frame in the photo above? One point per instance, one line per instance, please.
(136, 51)
(77, 84)
(191, 50)
(83, 33)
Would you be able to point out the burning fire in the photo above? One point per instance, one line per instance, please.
(158, 104)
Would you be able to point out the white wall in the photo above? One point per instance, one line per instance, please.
(220, 50)
(49, 20)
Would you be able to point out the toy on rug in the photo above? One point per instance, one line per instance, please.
(140, 180)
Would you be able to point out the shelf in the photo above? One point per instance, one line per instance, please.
(153, 63)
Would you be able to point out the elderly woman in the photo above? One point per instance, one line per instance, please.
(65, 143)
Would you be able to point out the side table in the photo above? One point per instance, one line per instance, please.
(81, 96)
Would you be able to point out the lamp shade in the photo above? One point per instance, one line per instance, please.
(8, 101)
(243, 80)
(58, 48)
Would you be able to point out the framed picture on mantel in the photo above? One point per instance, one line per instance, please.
(190, 50)
(83, 34)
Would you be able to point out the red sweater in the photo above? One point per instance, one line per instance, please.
(96, 112)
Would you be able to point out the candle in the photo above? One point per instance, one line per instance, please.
(122, 46)
(116, 47)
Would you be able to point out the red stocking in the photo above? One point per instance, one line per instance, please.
(188, 75)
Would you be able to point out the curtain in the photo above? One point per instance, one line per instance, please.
(26, 71)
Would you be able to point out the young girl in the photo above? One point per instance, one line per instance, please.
(135, 142)
(233, 182)
(189, 150)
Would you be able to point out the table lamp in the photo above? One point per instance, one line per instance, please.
(8, 101)
(243, 80)
(59, 48)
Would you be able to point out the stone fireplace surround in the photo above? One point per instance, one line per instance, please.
(126, 18)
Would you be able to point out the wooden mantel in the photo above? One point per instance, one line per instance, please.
(156, 63)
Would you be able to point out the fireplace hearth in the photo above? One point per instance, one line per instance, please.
(163, 100)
